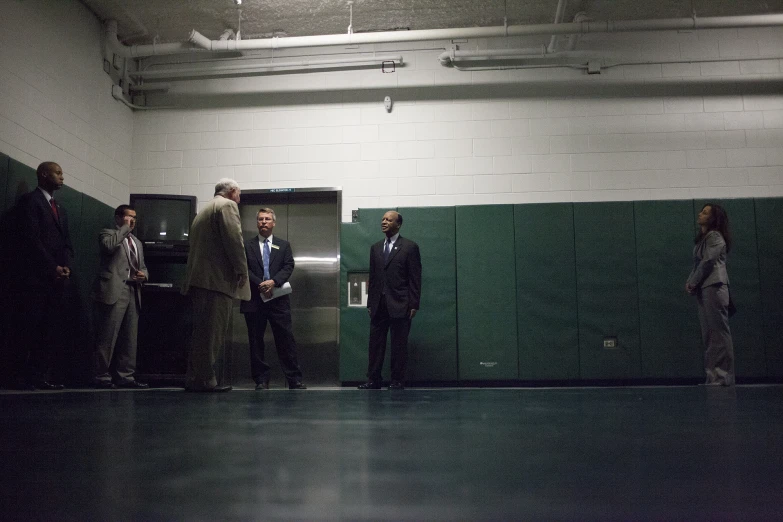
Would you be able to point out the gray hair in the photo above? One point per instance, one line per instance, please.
(267, 210)
(225, 186)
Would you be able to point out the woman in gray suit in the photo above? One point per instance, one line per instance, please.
(709, 282)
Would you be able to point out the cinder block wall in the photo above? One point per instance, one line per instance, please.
(636, 132)
(55, 99)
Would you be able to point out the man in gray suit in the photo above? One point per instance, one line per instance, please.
(117, 296)
(216, 274)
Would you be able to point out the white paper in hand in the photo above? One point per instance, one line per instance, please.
(277, 292)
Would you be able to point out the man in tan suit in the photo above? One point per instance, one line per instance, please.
(216, 274)
(117, 296)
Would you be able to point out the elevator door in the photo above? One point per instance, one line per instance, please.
(310, 221)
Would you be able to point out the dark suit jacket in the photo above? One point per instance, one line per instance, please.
(44, 242)
(399, 279)
(281, 266)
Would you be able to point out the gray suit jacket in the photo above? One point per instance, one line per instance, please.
(115, 264)
(709, 261)
(216, 256)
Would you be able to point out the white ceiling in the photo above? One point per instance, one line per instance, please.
(141, 21)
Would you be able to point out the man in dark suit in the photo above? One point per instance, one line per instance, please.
(41, 276)
(394, 294)
(117, 296)
(270, 264)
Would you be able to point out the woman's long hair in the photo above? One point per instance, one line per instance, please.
(719, 221)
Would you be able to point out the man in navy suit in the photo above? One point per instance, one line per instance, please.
(270, 264)
(42, 274)
(394, 294)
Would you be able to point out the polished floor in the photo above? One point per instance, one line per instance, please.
(646, 453)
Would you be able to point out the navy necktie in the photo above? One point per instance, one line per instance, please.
(387, 251)
(266, 260)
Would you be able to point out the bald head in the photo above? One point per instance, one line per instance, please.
(50, 176)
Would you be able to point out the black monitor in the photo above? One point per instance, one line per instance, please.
(163, 220)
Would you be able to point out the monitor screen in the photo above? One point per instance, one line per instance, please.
(163, 219)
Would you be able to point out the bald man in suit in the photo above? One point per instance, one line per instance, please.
(41, 275)
(393, 300)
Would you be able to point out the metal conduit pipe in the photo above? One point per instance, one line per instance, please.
(235, 69)
(448, 57)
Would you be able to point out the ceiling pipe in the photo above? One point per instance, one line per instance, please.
(668, 24)
(352, 61)
(203, 43)
(579, 17)
(532, 56)
(140, 51)
(559, 14)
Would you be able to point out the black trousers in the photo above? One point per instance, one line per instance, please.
(278, 314)
(380, 325)
(38, 333)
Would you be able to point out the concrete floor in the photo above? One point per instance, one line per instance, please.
(642, 453)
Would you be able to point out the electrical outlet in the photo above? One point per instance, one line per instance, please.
(610, 343)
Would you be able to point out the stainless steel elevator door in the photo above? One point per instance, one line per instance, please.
(310, 221)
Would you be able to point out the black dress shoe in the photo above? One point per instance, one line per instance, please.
(297, 386)
(396, 385)
(370, 385)
(133, 384)
(103, 385)
(263, 385)
(45, 385)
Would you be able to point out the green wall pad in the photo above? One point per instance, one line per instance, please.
(546, 291)
(668, 319)
(432, 346)
(607, 290)
(769, 229)
(21, 179)
(486, 293)
(743, 267)
(355, 242)
(3, 182)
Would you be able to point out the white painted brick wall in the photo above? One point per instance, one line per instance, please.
(55, 100)
(649, 131)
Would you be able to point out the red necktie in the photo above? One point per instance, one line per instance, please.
(53, 203)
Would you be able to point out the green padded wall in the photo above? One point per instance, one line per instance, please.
(486, 293)
(668, 319)
(607, 290)
(355, 242)
(432, 346)
(21, 179)
(3, 182)
(743, 267)
(546, 291)
(769, 230)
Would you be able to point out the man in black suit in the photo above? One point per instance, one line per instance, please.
(41, 275)
(270, 264)
(394, 294)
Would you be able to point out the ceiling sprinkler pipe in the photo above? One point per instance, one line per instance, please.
(767, 20)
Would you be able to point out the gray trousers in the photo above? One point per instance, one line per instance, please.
(715, 334)
(116, 327)
(211, 325)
